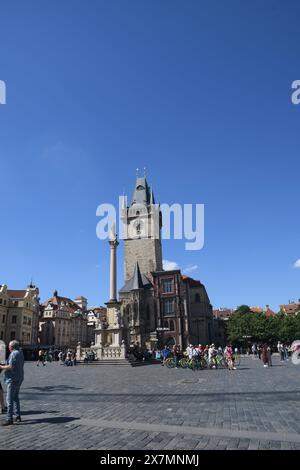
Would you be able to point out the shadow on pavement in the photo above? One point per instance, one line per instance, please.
(48, 388)
(57, 420)
(37, 412)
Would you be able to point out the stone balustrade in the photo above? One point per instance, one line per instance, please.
(101, 352)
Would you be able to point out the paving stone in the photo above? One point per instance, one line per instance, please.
(69, 408)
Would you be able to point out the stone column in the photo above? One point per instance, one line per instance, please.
(113, 242)
(78, 352)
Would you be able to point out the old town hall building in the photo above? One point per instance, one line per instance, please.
(157, 307)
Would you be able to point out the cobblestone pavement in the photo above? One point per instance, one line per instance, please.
(151, 407)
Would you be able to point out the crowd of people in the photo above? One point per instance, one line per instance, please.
(67, 358)
(210, 353)
(264, 352)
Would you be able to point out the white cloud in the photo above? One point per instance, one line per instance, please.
(170, 265)
(190, 267)
(297, 263)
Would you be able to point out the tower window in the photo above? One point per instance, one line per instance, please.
(197, 298)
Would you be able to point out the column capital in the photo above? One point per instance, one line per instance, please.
(113, 243)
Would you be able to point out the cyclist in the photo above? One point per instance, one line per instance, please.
(165, 354)
(212, 352)
(189, 351)
(229, 357)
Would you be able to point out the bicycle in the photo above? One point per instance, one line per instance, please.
(171, 363)
(221, 362)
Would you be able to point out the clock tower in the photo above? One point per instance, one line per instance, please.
(142, 232)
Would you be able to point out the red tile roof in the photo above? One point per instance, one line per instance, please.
(16, 294)
(57, 300)
(192, 282)
(268, 312)
(290, 308)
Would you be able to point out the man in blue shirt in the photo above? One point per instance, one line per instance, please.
(13, 378)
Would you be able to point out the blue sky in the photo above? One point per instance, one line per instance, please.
(197, 92)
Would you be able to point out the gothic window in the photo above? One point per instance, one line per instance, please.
(135, 308)
(168, 285)
(166, 324)
(168, 307)
(172, 327)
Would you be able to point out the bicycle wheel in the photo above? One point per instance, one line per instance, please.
(219, 363)
(183, 363)
(203, 363)
(170, 363)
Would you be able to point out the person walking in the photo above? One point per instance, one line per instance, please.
(3, 407)
(229, 357)
(41, 358)
(281, 351)
(176, 351)
(269, 354)
(264, 355)
(165, 354)
(259, 351)
(13, 378)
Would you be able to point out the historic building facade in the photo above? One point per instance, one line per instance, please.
(157, 307)
(19, 315)
(63, 322)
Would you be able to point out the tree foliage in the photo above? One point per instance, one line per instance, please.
(261, 328)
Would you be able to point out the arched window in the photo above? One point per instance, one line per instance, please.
(166, 324)
(172, 326)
